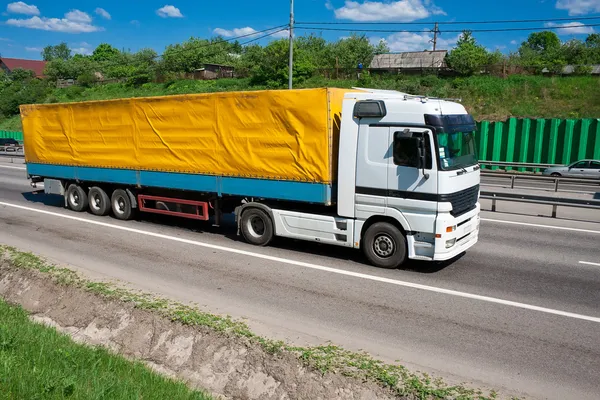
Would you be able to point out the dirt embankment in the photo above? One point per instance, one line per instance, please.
(229, 366)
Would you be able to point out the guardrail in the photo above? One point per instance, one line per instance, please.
(517, 164)
(556, 181)
(555, 202)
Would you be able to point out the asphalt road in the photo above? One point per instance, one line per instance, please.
(520, 312)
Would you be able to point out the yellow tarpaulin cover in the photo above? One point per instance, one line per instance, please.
(283, 134)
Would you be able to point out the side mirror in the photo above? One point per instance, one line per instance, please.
(421, 153)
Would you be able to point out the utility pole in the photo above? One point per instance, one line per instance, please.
(435, 35)
(291, 66)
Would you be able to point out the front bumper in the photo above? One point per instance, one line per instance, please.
(465, 235)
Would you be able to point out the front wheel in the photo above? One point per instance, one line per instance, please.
(384, 245)
(257, 227)
(555, 174)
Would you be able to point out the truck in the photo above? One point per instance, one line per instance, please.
(392, 174)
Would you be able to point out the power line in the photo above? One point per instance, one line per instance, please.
(446, 31)
(508, 21)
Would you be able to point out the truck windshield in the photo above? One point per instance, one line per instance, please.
(456, 150)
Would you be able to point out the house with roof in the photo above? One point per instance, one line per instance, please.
(10, 64)
(412, 61)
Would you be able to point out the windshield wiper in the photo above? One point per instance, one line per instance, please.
(462, 171)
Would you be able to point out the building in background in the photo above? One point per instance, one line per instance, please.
(409, 62)
(10, 64)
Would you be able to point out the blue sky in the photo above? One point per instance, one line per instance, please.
(26, 27)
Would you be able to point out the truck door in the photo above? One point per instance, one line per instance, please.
(372, 169)
(412, 176)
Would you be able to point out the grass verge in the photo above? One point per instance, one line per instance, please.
(37, 362)
(325, 359)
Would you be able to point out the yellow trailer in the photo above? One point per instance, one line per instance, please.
(279, 136)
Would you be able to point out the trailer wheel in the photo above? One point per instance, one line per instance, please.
(99, 201)
(257, 227)
(77, 199)
(121, 205)
(384, 245)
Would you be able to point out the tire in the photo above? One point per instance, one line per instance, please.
(121, 205)
(77, 199)
(257, 227)
(555, 174)
(384, 245)
(99, 201)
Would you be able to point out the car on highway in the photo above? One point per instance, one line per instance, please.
(578, 169)
(8, 142)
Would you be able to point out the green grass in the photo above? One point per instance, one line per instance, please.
(37, 362)
(324, 359)
(11, 124)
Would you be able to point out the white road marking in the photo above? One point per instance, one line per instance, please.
(11, 167)
(589, 263)
(562, 228)
(316, 266)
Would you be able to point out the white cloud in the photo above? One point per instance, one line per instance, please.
(579, 7)
(513, 42)
(20, 7)
(408, 41)
(328, 5)
(282, 34)
(169, 12)
(234, 32)
(74, 22)
(34, 49)
(103, 13)
(135, 22)
(398, 11)
(571, 28)
(84, 51)
(78, 16)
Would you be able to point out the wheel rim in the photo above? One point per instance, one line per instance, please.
(384, 246)
(74, 198)
(256, 226)
(119, 205)
(96, 202)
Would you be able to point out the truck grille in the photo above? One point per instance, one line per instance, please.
(463, 201)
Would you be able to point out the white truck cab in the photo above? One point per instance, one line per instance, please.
(407, 184)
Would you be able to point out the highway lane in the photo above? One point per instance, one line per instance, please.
(542, 354)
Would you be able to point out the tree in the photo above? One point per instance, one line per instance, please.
(542, 42)
(543, 50)
(105, 52)
(58, 52)
(468, 57)
(353, 50)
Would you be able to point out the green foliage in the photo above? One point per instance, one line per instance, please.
(469, 58)
(23, 90)
(21, 75)
(58, 52)
(194, 53)
(105, 52)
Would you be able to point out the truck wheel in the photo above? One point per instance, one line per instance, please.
(99, 201)
(384, 245)
(77, 199)
(257, 227)
(121, 205)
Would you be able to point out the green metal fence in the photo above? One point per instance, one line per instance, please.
(11, 135)
(545, 141)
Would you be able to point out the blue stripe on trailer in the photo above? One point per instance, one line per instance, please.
(272, 189)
